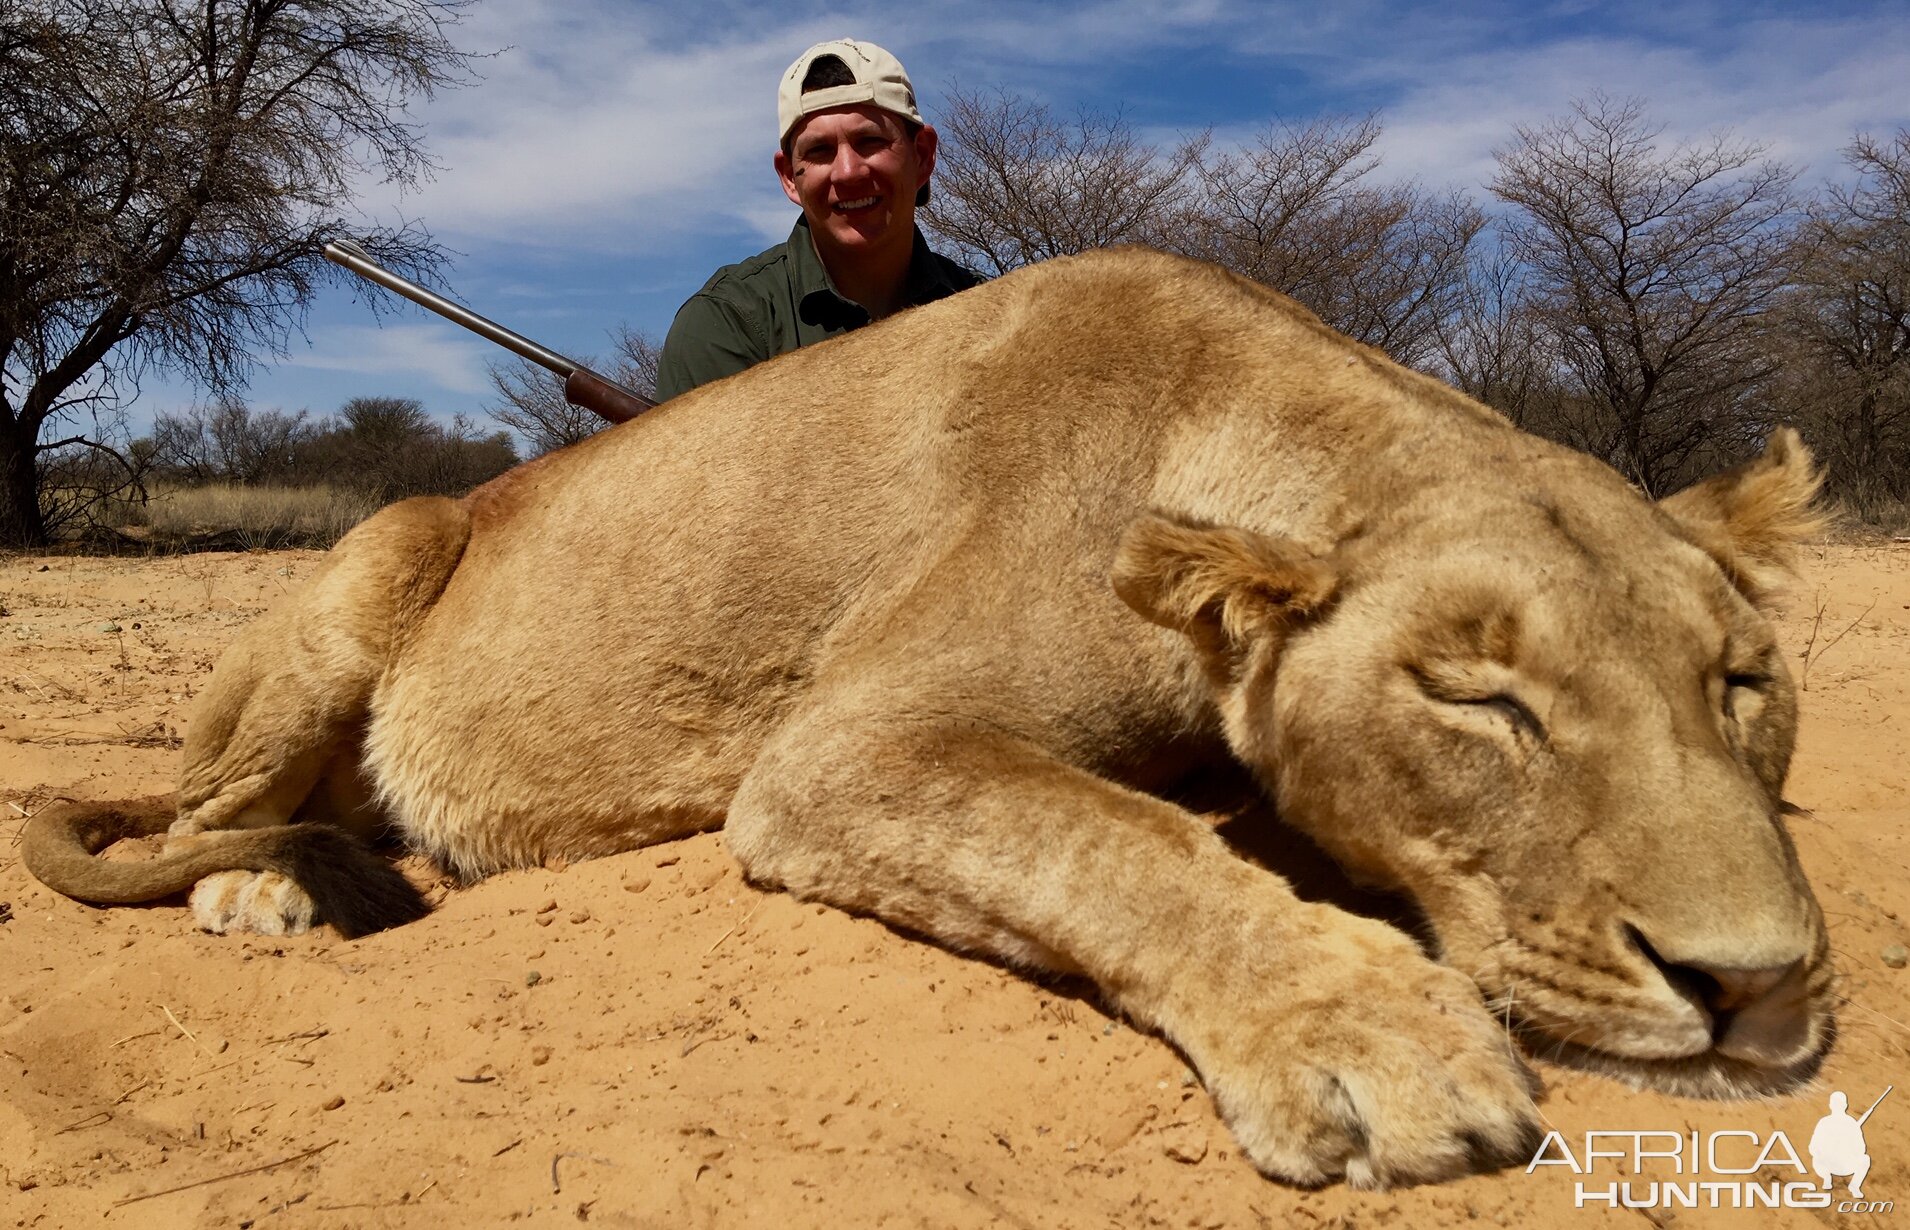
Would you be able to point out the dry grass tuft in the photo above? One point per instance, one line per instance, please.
(258, 518)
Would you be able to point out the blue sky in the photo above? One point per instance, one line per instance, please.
(615, 153)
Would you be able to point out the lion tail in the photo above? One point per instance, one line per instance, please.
(350, 887)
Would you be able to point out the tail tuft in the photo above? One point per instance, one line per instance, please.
(351, 887)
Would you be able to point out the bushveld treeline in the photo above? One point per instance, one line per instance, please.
(267, 477)
(383, 447)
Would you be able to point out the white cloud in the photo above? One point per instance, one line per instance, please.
(600, 124)
(627, 129)
(590, 131)
(433, 351)
(1799, 87)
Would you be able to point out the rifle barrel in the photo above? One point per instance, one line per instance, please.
(351, 256)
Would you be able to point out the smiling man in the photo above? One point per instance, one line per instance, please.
(856, 156)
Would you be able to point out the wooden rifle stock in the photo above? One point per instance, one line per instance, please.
(600, 395)
(587, 389)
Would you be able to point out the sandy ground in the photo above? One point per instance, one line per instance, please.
(647, 1041)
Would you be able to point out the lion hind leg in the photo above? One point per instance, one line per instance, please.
(272, 902)
(276, 736)
(291, 695)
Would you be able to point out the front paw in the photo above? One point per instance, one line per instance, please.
(1370, 1063)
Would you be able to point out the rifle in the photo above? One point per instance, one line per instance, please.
(582, 387)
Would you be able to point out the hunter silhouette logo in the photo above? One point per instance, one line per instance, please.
(1837, 1145)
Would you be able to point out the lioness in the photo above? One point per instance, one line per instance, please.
(930, 616)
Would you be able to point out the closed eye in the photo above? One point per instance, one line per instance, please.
(1513, 710)
(1449, 691)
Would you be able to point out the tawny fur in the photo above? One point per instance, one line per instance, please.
(932, 614)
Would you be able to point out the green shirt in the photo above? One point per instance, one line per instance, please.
(775, 302)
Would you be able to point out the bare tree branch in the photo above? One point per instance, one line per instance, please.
(1654, 272)
(1294, 209)
(1015, 184)
(1845, 370)
(530, 401)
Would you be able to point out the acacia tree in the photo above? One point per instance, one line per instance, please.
(169, 173)
(1295, 208)
(530, 401)
(1015, 184)
(1847, 329)
(1656, 269)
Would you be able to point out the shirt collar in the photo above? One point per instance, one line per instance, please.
(821, 303)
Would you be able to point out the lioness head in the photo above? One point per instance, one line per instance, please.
(1557, 716)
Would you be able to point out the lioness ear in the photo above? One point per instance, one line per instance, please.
(1223, 587)
(1751, 518)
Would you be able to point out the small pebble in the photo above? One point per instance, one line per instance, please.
(580, 916)
(637, 885)
(109, 626)
(533, 978)
(1187, 1146)
(334, 1102)
(547, 907)
(1896, 956)
(540, 1055)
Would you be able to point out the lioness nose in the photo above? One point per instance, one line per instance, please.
(1760, 1015)
(1726, 992)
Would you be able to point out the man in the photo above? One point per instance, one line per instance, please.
(856, 156)
(1837, 1145)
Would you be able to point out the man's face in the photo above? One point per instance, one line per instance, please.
(855, 172)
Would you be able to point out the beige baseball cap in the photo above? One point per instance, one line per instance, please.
(880, 80)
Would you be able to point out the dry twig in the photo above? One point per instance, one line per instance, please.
(182, 1029)
(237, 1174)
(103, 1118)
(1811, 651)
(732, 931)
(557, 1187)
